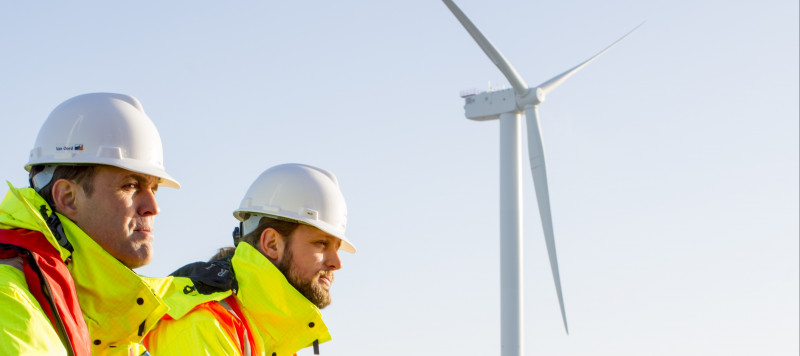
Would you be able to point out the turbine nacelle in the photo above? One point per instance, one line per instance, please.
(489, 105)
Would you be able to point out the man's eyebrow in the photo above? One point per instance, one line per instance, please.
(334, 239)
(328, 237)
(142, 178)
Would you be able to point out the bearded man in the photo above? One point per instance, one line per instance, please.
(266, 298)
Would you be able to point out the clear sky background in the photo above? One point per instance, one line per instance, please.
(672, 159)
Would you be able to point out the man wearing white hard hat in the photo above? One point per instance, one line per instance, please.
(266, 299)
(68, 243)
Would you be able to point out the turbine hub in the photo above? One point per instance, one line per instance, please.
(534, 96)
(539, 95)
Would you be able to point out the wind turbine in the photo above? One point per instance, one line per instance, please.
(508, 105)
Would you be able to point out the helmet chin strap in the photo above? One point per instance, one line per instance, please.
(238, 232)
(37, 182)
(43, 178)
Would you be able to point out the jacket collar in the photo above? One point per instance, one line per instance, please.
(119, 307)
(282, 320)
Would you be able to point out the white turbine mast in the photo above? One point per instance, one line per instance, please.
(508, 106)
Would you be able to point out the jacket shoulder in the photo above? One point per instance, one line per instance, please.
(196, 333)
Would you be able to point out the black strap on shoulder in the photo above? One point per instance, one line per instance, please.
(210, 277)
(55, 227)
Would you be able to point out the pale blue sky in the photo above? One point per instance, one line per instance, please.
(673, 159)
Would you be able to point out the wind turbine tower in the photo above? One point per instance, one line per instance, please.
(508, 106)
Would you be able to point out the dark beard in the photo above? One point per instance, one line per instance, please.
(314, 293)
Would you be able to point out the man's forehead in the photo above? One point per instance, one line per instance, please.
(121, 174)
(312, 232)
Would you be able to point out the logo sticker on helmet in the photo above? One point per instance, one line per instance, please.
(70, 148)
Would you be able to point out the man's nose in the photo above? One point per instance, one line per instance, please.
(333, 261)
(147, 203)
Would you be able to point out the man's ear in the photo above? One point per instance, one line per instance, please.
(271, 244)
(65, 196)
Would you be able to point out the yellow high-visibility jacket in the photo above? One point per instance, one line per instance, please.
(279, 318)
(119, 307)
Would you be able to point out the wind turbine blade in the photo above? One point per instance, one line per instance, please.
(536, 155)
(551, 84)
(497, 58)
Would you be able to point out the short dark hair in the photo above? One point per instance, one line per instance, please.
(283, 227)
(82, 175)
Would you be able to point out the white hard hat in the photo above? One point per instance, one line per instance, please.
(297, 192)
(101, 128)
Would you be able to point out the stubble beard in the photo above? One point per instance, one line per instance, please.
(310, 289)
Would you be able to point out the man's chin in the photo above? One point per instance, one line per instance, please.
(314, 292)
(322, 297)
(140, 258)
(134, 264)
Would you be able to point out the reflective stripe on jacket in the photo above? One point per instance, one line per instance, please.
(280, 319)
(118, 306)
(24, 327)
